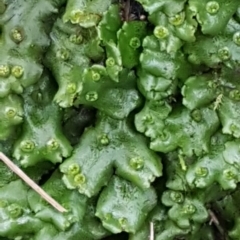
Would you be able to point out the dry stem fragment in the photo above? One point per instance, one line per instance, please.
(151, 237)
(31, 183)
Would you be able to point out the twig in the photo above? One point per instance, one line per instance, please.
(151, 237)
(31, 183)
(127, 10)
(215, 221)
